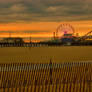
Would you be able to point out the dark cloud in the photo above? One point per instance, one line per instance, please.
(45, 10)
(27, 31)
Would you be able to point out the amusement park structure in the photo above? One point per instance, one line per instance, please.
(64, 29)
(86, 36)
(65, 33)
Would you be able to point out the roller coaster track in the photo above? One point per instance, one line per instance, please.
(86, 36)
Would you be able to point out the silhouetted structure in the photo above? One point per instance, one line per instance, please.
(13, 40)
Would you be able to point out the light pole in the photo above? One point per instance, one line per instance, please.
(9, 34)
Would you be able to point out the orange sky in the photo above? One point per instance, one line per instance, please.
(42, 29)
(42, 17)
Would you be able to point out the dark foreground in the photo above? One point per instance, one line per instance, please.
(47, 77)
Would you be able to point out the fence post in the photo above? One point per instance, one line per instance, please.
(50, 65)
(35, 84)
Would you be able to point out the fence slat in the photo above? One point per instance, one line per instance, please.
(48, 77)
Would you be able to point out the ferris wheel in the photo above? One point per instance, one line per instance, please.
(64, 29)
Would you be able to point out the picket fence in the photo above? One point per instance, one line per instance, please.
(46, 77)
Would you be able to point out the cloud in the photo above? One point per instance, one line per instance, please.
(28, 31)
(45, 10)
(18, 8)
(53, 9)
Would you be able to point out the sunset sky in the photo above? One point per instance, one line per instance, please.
(40, 18)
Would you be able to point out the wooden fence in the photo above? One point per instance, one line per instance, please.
(46, 77)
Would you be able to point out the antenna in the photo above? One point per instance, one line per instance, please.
(30, 39)
(9, 34)
(54, 35)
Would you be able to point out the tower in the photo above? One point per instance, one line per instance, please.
(54, 35)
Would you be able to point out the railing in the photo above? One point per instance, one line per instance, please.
(24, 45)
(46, 77)
(84, 43)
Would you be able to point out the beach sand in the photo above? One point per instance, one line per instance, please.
(45, 54)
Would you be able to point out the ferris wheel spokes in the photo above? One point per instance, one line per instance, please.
(64, 29)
